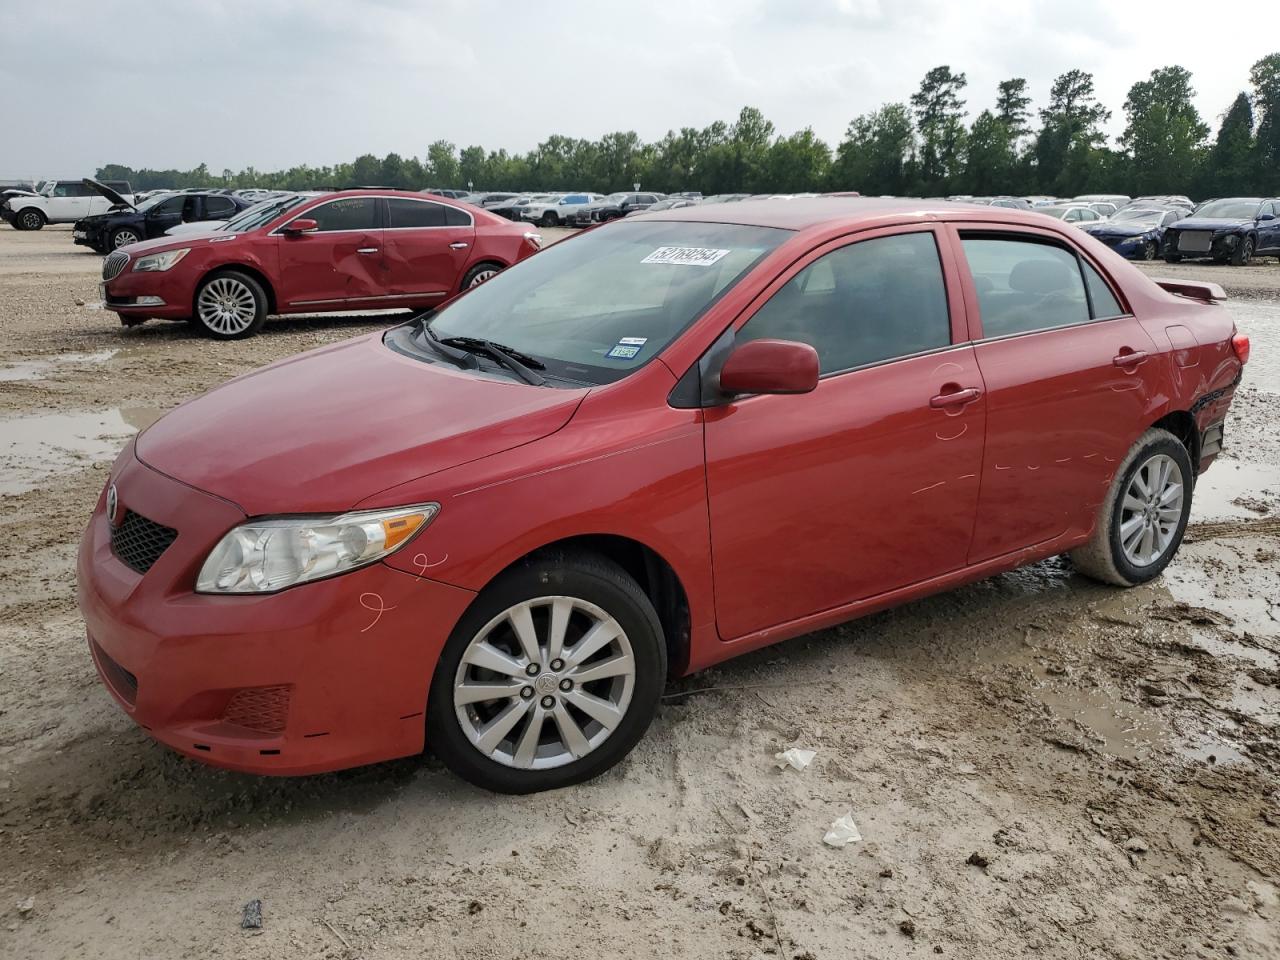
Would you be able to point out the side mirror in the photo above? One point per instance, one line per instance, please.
(300, 226)
(1266, 216)
(770, 366)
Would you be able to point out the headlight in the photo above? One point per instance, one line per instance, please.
(264, 556)
(159, 262)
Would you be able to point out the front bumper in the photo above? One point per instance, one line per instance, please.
(174, 288)
(320, 677)
(1222, 245)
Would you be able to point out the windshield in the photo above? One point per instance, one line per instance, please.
(1142, 218)
(264, 212)
(150, 202)
(1229, 209)
(603, 304)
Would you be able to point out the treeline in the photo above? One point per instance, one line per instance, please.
(921, 147)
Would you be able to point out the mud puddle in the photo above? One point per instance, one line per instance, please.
(1235, 490)
(1260, 321)
(39, 369)
(40, 446)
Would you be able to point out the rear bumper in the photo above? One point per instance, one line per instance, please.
(324, 676)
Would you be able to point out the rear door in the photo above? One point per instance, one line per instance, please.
(72, 200)
(217, 208)
(427, 246)
(1069, 375)
(870, 482)
(340, 263)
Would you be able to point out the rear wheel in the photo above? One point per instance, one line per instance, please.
(1243, 253)
(1141, 523)
(548, 219)
(230, 305)
(123, 237)
(551, 677)
(480, 273)
(29, 219)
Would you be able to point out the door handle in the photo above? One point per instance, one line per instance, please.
(1130, 358)
(955, 397)
(459, 245)
(367, 250)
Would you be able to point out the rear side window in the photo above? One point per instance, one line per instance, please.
(219, 208)
(865, 303)
(349, 213)
(1101, 299)
(1023, 285)
(415, 213)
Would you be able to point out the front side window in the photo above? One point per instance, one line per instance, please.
(871, 301)
(169, 207)
(1025, 285)
(349, 213)
(605, 304)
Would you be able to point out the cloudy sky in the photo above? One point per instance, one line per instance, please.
(273, 83)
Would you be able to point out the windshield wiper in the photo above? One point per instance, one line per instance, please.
(462, 358)
(518, 363)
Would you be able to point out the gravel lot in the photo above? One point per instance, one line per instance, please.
(1039, 765)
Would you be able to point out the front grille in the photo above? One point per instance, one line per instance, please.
(138, 542)
(124, 683)
(265, 709)
(114, 265)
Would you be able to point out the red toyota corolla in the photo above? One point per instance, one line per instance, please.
(311, 253)
(500, 528)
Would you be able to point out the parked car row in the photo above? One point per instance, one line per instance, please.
(60, 201)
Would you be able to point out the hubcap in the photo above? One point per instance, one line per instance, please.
(520, 711)
(481, 277)
(31, 220)
(124, 238)
(1151, 510)
(226, 305)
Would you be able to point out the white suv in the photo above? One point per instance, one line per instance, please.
(58, 201)
(554, 211)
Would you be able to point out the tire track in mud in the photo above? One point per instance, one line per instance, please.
(1226, 529)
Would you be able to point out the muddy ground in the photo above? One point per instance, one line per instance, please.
(1039, 765)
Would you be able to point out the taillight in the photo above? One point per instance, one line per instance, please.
(1240, 344)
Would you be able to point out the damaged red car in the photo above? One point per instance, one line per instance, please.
(498, 530)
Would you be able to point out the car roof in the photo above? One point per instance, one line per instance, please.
(806, 212)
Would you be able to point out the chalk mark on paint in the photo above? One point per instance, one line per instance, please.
(377, 611)
(423, 564)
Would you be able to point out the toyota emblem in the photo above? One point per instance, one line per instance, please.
(113, 502)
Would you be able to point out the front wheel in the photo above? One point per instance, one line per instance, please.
(123, 237)
(1149, 250)
(230, 305)
(550, 678)
(1172, 258)
(1243, 253)
(548, 219)
(30, 219)
(1141, 523)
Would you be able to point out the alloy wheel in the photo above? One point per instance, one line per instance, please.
(31, 220)
(1151, 510)
(481, 276)
(123, 238)
(544, 683)
(226, 306)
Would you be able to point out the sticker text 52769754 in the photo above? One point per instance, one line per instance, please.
(690, 256)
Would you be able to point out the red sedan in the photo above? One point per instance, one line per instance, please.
(500, 528)
(310, 253)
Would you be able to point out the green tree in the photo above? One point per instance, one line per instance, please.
(1067, 149)
(992, 156)
(1265, 77)
(1164, 132)
(939, 115)
(1013, 107)
(442, 165)
(366, 171)
(1229, 167)
(875, 157)
(797, 163)
(471, 168)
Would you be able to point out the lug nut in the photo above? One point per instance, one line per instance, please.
(531, 669)
(566, 684)
(527, 693)
(548, 703)
(557, 664)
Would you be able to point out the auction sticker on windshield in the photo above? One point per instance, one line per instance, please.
(693, 256)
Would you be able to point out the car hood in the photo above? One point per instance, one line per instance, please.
(173, 243)
(1118, 230)
(322, 431)
(115, 198)
(1211, 223)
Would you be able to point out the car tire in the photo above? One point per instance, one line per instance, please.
(548, 219)
(1106, 556)
(598, 595)
(230, 305)
(1172, 258)
(1149, 250)
(1243, 253)
(123, 237)
(480, 273)
(29, 219)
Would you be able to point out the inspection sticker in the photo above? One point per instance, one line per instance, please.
(627, 348)
(693, 256)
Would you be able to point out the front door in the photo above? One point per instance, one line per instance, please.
(1067, 374)
(428, 245)
(870, 482)
(340, 264)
